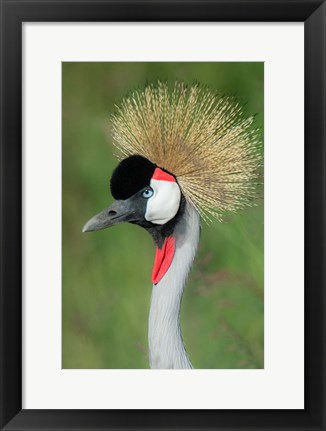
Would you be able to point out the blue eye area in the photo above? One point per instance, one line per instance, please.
(147, 193)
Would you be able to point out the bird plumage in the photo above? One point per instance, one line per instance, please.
(184, 153)
(200, 137)
(166, 347)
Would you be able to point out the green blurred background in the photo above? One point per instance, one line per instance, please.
(106, 275)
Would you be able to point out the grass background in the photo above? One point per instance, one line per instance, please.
(106, 275)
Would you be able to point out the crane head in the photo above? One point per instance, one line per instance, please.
(145, 195)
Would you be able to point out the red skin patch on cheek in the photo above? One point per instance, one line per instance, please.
(163, 259)
(163, 176)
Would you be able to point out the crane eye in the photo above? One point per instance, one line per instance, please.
(147, 193)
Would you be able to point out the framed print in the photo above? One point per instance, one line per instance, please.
(165, 116)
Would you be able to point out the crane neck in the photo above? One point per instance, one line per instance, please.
(166, 347)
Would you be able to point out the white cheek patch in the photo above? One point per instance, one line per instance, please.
(165, 202)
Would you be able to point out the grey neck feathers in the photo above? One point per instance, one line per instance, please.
(166, 347)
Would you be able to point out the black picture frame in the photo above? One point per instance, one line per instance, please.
(13, 14)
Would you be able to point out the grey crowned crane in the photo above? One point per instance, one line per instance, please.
(185, 153)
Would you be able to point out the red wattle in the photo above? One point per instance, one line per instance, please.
(163, 259)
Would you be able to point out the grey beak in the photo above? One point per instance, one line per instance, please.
(119, 212)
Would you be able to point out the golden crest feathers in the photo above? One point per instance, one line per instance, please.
(203, 139)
